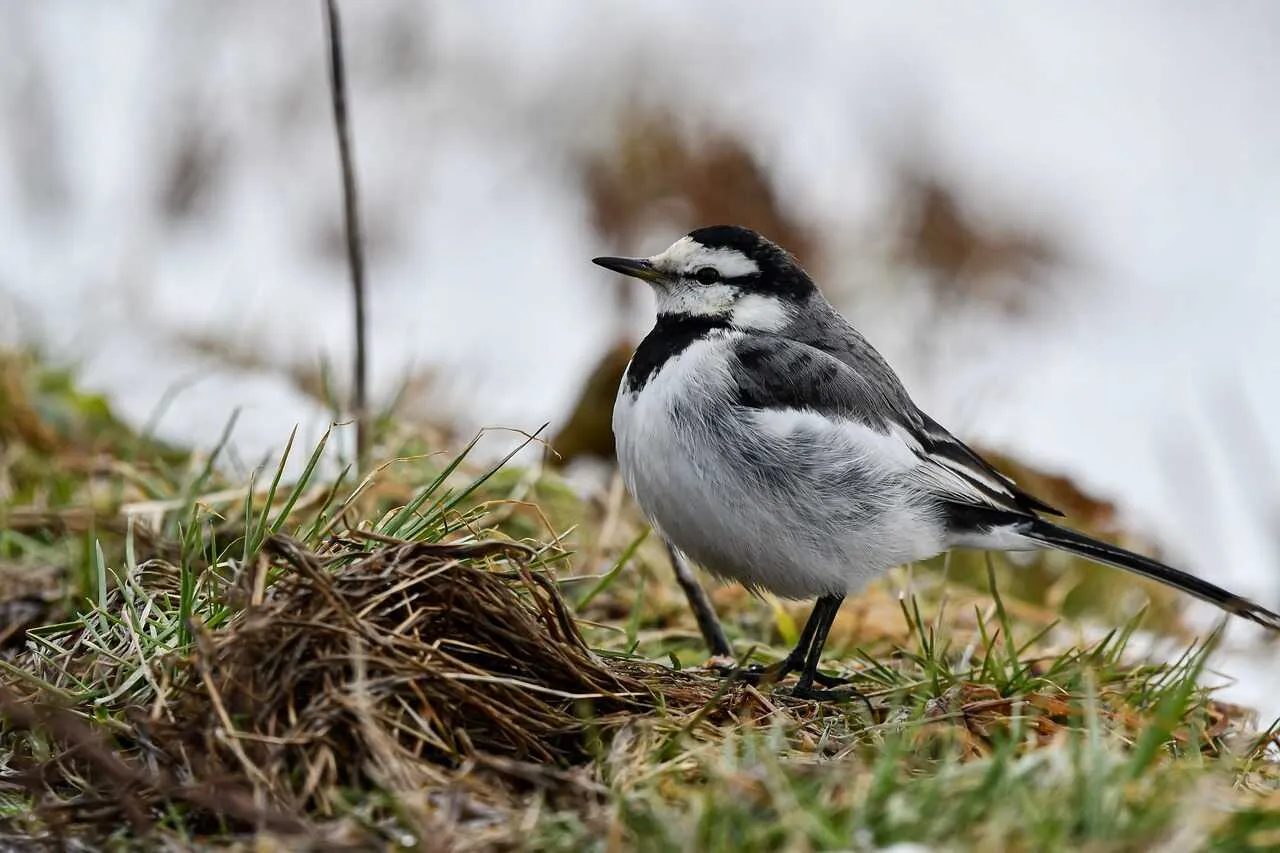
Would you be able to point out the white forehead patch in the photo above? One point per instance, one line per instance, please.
(686, 256)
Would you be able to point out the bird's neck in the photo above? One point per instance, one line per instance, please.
(683, 325)
(671, 335)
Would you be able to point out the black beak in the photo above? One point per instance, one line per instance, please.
(635, 267)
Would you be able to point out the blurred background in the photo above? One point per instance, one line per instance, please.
(1060, 222)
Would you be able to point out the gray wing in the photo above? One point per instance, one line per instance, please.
(775, 372)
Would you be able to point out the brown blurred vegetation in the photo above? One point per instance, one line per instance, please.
(661, 173)
(997, 265)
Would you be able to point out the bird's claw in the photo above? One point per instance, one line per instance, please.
(756, 674)
(831, 680)
(753, 674)
(844, 694)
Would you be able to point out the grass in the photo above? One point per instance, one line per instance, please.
(440, 654)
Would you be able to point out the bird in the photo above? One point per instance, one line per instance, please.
(765, 438)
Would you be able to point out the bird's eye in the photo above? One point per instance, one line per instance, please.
(707, 275)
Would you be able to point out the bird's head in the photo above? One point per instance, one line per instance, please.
(723, 272)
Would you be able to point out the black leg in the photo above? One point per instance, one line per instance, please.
(712, 632)
(813, 653)
(804, 688)
(757, 674)
(824, 612)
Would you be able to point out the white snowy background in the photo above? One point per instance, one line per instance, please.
(1144, 135)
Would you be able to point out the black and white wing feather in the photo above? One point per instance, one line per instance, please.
(778, 373)
(982, 507)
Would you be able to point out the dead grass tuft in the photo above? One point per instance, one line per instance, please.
(399, 667)
(453, 661)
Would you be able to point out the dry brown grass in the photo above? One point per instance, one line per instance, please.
(426, 669)
(366, 687)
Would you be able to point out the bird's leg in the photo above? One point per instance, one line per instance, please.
(804, 688)
(712, 632)
(808, 662)
(795, 659)
(757, 674)
(808, 651)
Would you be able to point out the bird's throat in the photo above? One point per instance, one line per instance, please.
(670, 336)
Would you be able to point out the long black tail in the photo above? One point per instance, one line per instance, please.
(1077, 543)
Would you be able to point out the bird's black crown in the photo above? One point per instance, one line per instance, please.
(780, 273)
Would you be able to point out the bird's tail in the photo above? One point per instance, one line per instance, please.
(1054, 536)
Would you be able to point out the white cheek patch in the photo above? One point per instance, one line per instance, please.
(686, 256)
(759, 312)
(753, 311)
(714, 300)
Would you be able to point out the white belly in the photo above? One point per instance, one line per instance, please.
(788, 504)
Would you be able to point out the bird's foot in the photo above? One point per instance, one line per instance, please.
(754, 674)
(840, 694)
(831, 680)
